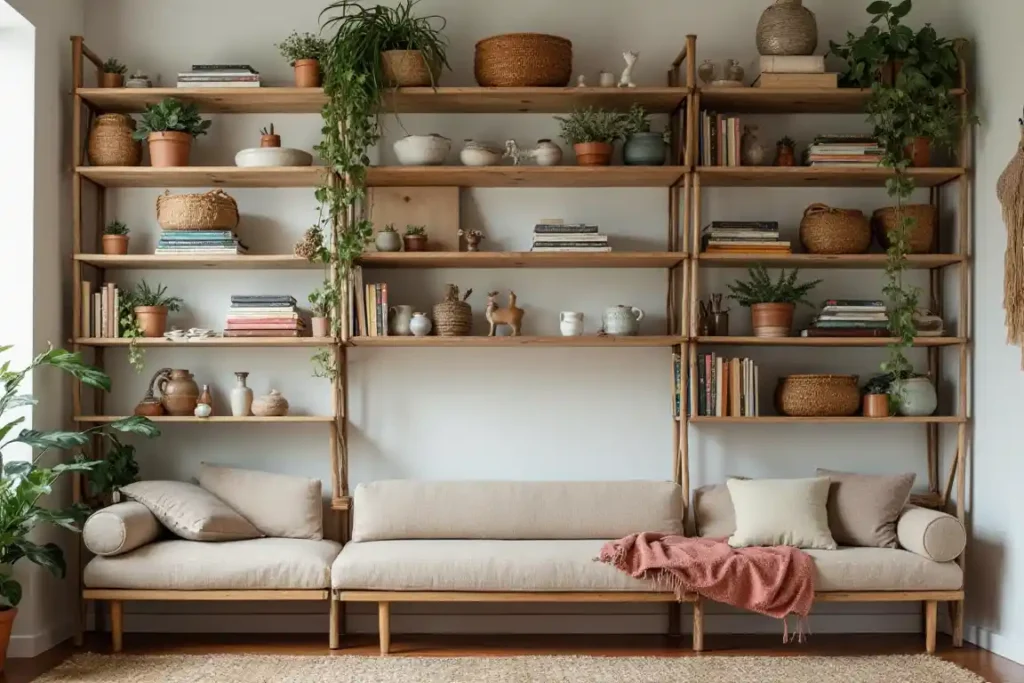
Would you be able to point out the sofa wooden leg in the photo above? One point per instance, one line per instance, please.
(335, 640)
(117, 624)
(675, 620)
(384, 625)
(698, 626)
(956, 617)
(83, 607)
(931, 624)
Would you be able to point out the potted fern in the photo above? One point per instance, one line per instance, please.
(592, 134)
(151, 307)
(112, 74)
(170, 126)
(322, 302)
(304, 52)
(771, 304)
(115, 239)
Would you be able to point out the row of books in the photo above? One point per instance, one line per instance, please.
(568, 237)
(844, 151)
(850, 318)
(101, 311)
(744, 237)
(727, 387)
(720, 140)
(263, 315)
(370, 310)
(208, 242)
(219, 76)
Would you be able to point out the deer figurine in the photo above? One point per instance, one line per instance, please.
(511, 316)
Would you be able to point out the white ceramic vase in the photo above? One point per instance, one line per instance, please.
(420, 325)
(241, 396)
(546, 153)
(479, 154)
(422, 150)
(570, 323)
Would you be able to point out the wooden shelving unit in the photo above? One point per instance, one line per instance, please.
(805, 176)
(213, 342)
(522, 259)
(857, 420)
(215, 419)
(826, 341)
(586, 341)
(154, 262)
(845, 262)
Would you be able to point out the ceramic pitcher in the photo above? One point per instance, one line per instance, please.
(622, 320)
(570, 323)
(179, 392)
(399, 318)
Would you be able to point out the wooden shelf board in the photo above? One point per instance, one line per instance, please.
(826, 341)
(216, 419)
(203, 176)
(805, 176)
(781, 419)
(787, 101)
(162, 262)
(845, 261)
(512, 259)
(215, 342)
(571, 342)
(525, 176)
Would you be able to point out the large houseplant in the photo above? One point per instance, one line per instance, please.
(771, 304)
(170, 126)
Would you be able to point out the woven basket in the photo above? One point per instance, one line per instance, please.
(922, 235)
(825, 230)
(787, 28)
(818, 395)
(408, 69)
(213, 210)
(111, 143)
(453, 317)
(523, 60)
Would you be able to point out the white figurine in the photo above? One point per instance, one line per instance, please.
(512, 152)
(607, 79)
(626, 80)
(581, 81)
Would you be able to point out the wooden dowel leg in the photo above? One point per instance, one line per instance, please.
(117, 624)
(83, 610)
(335, 638)
(931, 624)
(675, 620)
(384, 625)
(956, 616)
(698, 626)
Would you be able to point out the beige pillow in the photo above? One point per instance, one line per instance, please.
(119, 529)
(863, 508)
(713, 516)
(789, 512)
(191, 512)
(279, 505)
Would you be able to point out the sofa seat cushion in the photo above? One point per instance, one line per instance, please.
(882, 569)
(257, 564)
(479, 565)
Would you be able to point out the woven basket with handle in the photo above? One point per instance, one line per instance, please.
(453, 317)
(213, 210)
(523, 60)
(818, 395)
(826, 230)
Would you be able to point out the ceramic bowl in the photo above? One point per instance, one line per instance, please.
(480, 154)
(262, 157)
(422, 150)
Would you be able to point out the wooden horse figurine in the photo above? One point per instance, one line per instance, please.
(511, 316)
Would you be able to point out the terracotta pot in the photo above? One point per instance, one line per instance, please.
(321, 327)
(876, 405)
(152, 320)
(149, 407)
(169, 148)
(785, 156)
(307, 73)
(415, 242)
(115, 245)
(593, 153)
(270, 141)
(920, 152)
(179, 393)
(7, 618)
(111, 80)
(772, 320)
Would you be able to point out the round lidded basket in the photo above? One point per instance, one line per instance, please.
(521, 60)
(787, 28)
(922, 235)
(825, 230)
(453, 317)
(408, 69)
(213, 210)
(818, 395)
(111, 142)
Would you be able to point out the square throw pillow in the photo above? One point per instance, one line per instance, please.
(279, 505)
(863, 509)
(713, 516)
(191, 512)
(789, 512)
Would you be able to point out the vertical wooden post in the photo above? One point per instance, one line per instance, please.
(117, 625)
(384, 626)
(931, 621)
(698, 625)
(335, 627)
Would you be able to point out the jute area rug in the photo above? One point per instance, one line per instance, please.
(90, 668)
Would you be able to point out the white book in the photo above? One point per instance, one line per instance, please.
(805, 64)
(570, 237)
(571, 249)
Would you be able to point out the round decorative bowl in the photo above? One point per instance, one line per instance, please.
(276, 157)
(271, 405)
(818, 395)
(422, 150)
(479, 154)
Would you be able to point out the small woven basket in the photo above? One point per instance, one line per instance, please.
(825, 230)
(922, 235)
(453, 317)
(523, 60)
(213, 210)
(818, 395)
(111, 142)
(408, 69)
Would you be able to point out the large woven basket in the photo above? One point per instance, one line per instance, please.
(408, 69)
(523, 60)
(922, 235)
(825, 230)
(453, 317)
(818, 395)
(213, 210)
(111, 142)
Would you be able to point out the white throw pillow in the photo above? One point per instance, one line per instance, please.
(791, 512)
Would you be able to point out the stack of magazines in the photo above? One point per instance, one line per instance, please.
(568, 237)
(844, 150)
(850, 318)
(219, 76)
(200, 243)
(743, 237)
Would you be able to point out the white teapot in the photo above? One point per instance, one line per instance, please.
(622, 321)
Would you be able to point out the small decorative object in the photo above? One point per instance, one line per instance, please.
(149, 406)
(139, 79)
(523, 60)
(400, 320)
(752, 151)
(409, 69)
(513, 152)
(1010, 192)
(420, 325)
(707, 71)
(622, 321)
(272, 157)
(480, 154)
(205, 399)
(112, 74)
(179, 393)
(626, 79)
(606, 79)
(928, 325)
(388, 239)
(202, 410)
(546, 153)
(787, 28)
(271, 405)
(592, 134)
(151, 308)
(320, 326)
(321, 303)
(422, 150)
(170, 126)
(304, 52)
(213, 210)
(511, 316)
(825, 230)
(734, 72)
(718, 317)
(111, 142)
(115, 239)
(268, 138)
(241, 396)
(472, 237)
(876, 405)
(415, 238)
(581, 81)
(785, 152)
(453, 316)
(704, 319)
(916, 397)
(642, 147)
(771, 304)
(922, 234)
(818, 395)
(570, 323)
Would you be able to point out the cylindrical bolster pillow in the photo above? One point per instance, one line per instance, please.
(119, 529)
(930, 533)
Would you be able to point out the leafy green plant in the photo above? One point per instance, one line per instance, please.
(322, 302)
(390, 227)
(636, 121)
(762, 290)
(593, 125)
(131, 329)
(413, 230)
(171, 115)
(112, 66)
(115, 228)
(302, 46)
(145, 295)
(116, 469)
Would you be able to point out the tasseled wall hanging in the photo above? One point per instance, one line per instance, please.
(1010, 191)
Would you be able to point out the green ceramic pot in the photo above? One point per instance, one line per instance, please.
(644, 149)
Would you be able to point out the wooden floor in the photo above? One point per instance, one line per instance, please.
(992, 668)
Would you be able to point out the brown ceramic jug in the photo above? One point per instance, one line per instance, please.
(179, 393)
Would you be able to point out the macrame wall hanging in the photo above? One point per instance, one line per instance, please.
(1010, 191)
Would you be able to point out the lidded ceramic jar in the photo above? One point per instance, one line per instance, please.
(479, 154)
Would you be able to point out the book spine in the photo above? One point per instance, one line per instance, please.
(97, 314)
(117, 313)
(700, 384)
(108, 306)
(872, 303)
(86, 312)
(384, 307)
(223, 67)
(744, 225)
(709, 379)
(548, 229)
(570, 237)
(591, 243)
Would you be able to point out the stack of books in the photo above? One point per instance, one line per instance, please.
(369, 311)
(568, 237)
(100, 311)
(796, 73)
(727, 387)
(200, 242)
(263, 315)
(720, 140)
(850, 318)
(219, 76)
(744, 237)
(844, 150)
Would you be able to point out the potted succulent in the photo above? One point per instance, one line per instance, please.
(151, 307)
(170, 126)
(321, 303)
(592, 134)
(304, 52)
(388, 239)
(268, 138)
(771, 304)
(112, 74)
(642, 147)
(115, 239)
(785, 152)
(415, 238)
(876, 396)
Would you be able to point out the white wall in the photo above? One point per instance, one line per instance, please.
(504, 414)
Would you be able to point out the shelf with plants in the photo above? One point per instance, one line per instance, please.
(179, 262)
(855, 420)
(790, 100)
(803, 176)
(203, 176)
(521, 259)
(211, 342)
(919, 342)
(836, 261)
(586, 341)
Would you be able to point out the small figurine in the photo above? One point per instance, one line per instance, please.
(733, 71)
(707, 71)
(606, 79)
(626, 80)
(753, 153)
(785, 152)
(512, 152)
(581, 81)
(472, 237)
(511, 316)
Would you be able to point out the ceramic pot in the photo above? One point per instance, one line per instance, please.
(111, 143)
(320, 326)
(241, 396)
(152, 320)
(203, 410)
(388, 240)
(707, 71)
(149, 407)
(787, 28)
(169, 148)
(111, 80)
(752, 152)
(876, 405)
(917, 397)
(772, 320)
(479, 154)
(644, 149)
(179, 393)
(272, 157)
(307, 73)
(622, 321)
(546, 153)
(270, 140)
(138, 80)
(7, 618)
(920, 153)
(570, 323)
(785, 156)
(420, 325)
(422, 150)
(593, 153)
(399, 319)
(115, 245)
(271, 405)
(606, 79)
(415, 242)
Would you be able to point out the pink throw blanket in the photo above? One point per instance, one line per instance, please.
(775, 581)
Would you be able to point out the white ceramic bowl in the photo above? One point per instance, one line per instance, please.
(422, 150)
(480, 154)
(262, 157)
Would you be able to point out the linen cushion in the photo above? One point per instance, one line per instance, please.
(257, 564)
(713, 515)
(932, 534)
(882, 569)
(789, 512)
(392, 510)
(119, 528)
(863, 508)
(191, 512)
(278, 505)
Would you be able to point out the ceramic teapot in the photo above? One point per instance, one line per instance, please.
(179, 392)
(623, 321)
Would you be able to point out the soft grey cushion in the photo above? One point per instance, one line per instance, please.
(120, 528)
(932, 534)
(863, 508)
(394, 510)
(789, 512)
(881, 569)
(278, 505)
(191, 512)
(713, 515)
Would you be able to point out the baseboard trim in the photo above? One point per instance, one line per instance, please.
(33, 644)
(993, 642)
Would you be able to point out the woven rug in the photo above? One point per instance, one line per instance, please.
(88, 668)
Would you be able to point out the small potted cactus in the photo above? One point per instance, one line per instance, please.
(112, 75)
(115, 239)
(388, 239)
(268, 138)
(785, 154)
(415, 238)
